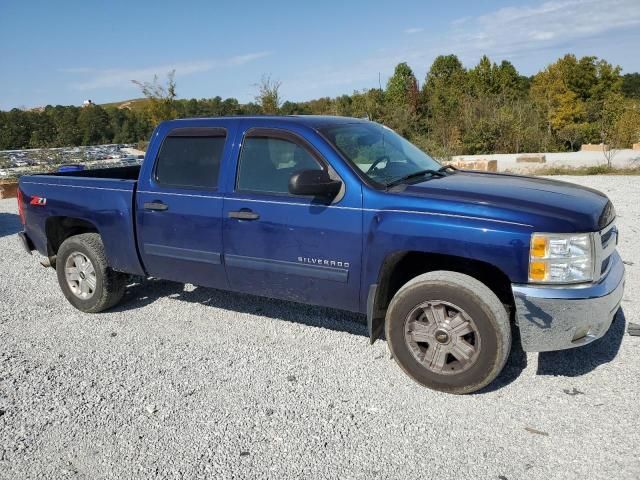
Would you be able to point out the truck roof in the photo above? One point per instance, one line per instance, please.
(313, 121)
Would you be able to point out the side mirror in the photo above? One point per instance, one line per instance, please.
(314, 182)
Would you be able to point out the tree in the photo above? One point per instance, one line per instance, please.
(344, 106)
(161, 99)
(482, 79)
(368, 104)
(93, 122)
(401, 101)
(444, 93)
(631, 85)
(561, 105)
(15, 131)
(628, 125)
(67, 128)
(573, 133)
(320, 106)
(402, 88)
(488, 108)
(612, 110)
(268, 96)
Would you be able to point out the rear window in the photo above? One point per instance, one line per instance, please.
(190, 161)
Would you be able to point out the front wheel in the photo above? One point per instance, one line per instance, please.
(84, 276)
(448, 332)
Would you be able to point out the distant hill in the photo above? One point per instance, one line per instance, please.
(133, 104)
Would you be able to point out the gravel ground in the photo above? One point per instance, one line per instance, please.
(187, 382)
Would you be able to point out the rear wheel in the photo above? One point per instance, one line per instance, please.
(448, 332)
(84, 276)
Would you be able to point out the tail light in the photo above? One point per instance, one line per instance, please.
(21, 207)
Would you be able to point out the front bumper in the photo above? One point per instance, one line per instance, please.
(555, 318)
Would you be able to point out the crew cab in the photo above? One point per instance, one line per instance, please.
(343, 213)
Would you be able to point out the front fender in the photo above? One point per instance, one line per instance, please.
(390, 233)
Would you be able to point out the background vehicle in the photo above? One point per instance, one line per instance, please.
(343, 213)
(74, 167)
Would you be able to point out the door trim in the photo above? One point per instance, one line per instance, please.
(322, 272)
(202, 256)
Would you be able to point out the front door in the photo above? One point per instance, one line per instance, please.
(292, 247)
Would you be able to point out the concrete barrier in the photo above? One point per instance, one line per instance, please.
(593, 147)
(531, 158)
(8, 189)
(478, 165)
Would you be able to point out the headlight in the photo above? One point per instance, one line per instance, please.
(561, 258)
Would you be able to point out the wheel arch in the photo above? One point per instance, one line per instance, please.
(59, 228)
(400, 267)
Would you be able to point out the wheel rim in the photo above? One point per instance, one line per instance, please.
(442, 337)
(80, 275)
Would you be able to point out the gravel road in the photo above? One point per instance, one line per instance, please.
(188, 382)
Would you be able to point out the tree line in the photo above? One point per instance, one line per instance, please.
(488, 108)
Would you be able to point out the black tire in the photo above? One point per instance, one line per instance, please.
(489, 316)
(109, 284)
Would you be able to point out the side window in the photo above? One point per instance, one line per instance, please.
(266, 164)
(190, 161)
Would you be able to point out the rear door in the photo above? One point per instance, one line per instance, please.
(285, 246)
(179, 208)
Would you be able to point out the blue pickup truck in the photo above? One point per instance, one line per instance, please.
(344, 213)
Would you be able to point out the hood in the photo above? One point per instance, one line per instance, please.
(548, 205)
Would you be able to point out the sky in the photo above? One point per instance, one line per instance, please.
(64, 52)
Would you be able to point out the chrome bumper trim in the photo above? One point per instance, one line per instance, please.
(556, 318)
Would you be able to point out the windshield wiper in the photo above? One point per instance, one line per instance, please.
(420, 173)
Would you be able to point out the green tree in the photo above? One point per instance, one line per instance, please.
(94, 125)
(402, 88)
(613, 107)
(268, 96)
(550, 89)
(343, 106)
(628, 125)
(294, 108)
(489, 108)
(368, 104)
(573, 133)
(161, 99)
(631, 85)
(16, 130)
(67, 128)
(320, 106)
(444, 92)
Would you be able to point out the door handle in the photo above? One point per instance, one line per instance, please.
(157, 205)
(244, 215)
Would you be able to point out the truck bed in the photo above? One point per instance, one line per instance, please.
(102, 198)
(117, 173)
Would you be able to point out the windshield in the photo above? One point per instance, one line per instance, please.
(379, 152)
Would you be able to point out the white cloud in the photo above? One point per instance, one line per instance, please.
(549, 24)
(76, 70)
(121, 77)
(506, 33)
(366, 73)
(460, 21)
(413, 31)
(535, 35)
